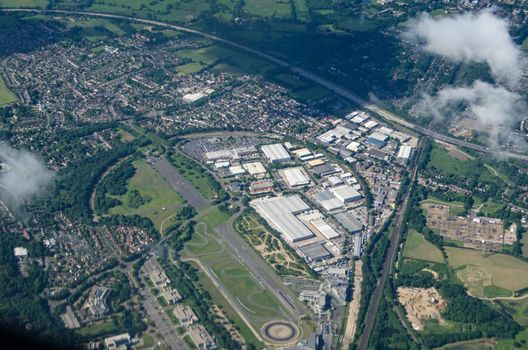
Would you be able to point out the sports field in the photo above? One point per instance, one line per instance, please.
(418, 248)
(163, 201)
(490, 276)
(6, 95)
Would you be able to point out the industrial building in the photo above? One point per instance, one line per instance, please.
(325, 169)
(260, 187)
(326, 230)
(295, 177)
(237, 170)
(349, 222)
(280, 213)
(314, 252)
(377, 139)
(327, 200)
(404, 154)
(255, 169)
(276, 153)
(346, 194)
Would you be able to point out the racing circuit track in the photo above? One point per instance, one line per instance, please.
(337, 89)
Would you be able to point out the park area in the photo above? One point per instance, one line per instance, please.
(161, 201)
(6, 95)
(497, 275)
(418, 248)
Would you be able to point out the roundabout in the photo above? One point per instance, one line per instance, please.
(280, 331)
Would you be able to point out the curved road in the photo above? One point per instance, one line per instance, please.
(337, 89)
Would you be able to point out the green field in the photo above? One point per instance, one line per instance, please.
(164, 200)
(517, 308)
(229, 60)
(258, 304)
(105, 327)
(194, 173)
(478, 344)
(418, 248)
(23, 3)
(478, 272)
(6, 95)
(268, 8)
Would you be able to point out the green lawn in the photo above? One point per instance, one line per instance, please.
(23, 3)
(417, 247)
(6, 95)
(164, 200)
(477, 271)
(268, 8)
(96, 329)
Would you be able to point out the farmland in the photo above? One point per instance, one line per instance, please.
(417, 247)
(480, 274)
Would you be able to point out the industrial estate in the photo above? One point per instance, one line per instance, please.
(297, 175)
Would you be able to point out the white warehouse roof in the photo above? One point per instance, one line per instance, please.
(325, 229)
(404, 152)
(275, 152)
(254, 168)
(280, 213)
(346, 194)
(295, 177)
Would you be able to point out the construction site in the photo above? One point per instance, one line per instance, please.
(421, 304)
(476, 232)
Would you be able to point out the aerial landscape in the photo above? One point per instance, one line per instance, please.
(264, 174)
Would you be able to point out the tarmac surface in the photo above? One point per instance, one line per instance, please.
(280, 331)
(179, 182)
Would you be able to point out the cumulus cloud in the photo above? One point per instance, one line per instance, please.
(481, 38)
(22, 174)
(493, 106)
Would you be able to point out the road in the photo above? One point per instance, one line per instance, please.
(267, 277)
(337, 89)
(179, 182)
(387, 266)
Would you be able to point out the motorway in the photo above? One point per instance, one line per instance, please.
(387, 265)
(337, 89)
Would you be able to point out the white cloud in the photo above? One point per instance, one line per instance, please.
(493, 106)
(23, 175)
(482, 38)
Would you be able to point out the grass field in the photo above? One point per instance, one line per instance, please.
(478, 272)
(258, 304)
(195, 174)
(417, 247)
(96, 329)
(224, 59)
(23, 3)
(6, 95)
(164, 200)
(517, 308)
(268, 8)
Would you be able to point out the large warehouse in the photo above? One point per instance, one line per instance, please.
(276, 153)
(280, 213)
(346, 194)
(296, 177)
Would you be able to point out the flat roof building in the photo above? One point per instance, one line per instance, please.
(280, 213)
(349, 222)
(184, 314)
(201, 338)
(327, 200)
(254, 168)
(377, 139)
(346, 194)
(314, 252)
(326, 230)
(262, 186)
(295, 177)
(275, 153)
